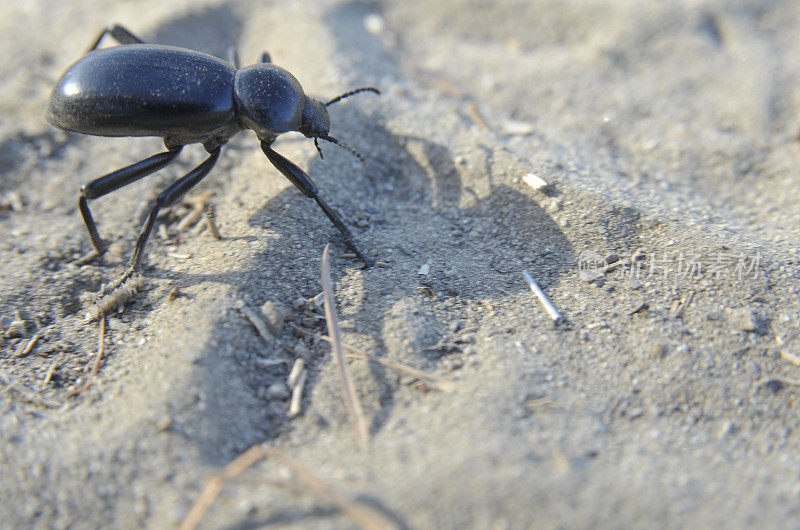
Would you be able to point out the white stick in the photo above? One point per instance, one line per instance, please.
(548, 305)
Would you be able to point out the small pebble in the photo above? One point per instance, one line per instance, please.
(742, 319)
(554, 206)
(534, 181)
(374, 23)
(275, 316)
(277, 392)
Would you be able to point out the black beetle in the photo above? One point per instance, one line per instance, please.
(184, 97)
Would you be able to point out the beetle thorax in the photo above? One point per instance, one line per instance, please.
(269, 100)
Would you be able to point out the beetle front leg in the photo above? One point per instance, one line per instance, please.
(303, 182)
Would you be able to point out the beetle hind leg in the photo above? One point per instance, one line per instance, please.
(115, 180)
(121, 34)
(165, 199)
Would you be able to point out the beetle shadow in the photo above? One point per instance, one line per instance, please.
(418, 211)
(212, 29)
(413, 205)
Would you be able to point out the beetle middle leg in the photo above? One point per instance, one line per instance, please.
(120, 33)
(165, 199)
(303, 182)
(115, 180)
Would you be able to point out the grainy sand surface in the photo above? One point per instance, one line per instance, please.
(668, 395)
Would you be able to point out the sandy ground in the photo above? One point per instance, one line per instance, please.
(667, 397)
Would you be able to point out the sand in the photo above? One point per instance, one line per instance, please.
(658, 135)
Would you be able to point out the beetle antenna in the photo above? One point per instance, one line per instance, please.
(343, 145)
(352, 93)
(319, 149)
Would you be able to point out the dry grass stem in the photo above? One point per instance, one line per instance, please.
(29, 345)
(475, 115)
(546, 303)
(257, 322)
(97, 358)
(28, 394)
(296, 403)
(351, 401)
(437, 382)
(676, 311)
(294, 373)
(211, 223)
(215, 484)
(363, 514)
(189, 220)
(791, 357)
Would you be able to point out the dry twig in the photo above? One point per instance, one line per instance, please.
(31, 395)
(363, 514)
(295, 405)
(440, 383)
(546, 303)
(97, 358)
(211, 224)
(351, 401)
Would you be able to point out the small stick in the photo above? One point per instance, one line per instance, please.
(98, 356)
(295, 404)
(548, 305)
(189, 219)
(257, 322)
(475, 115)
(351, 401)
(28, 348)
(363, 514)
(211, 224)
(792, 358)
(294, 373)
(49, 375)
(11, 382)
(677, 310)
(235, 468)
(438, 382)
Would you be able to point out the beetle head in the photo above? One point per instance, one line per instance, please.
(317, 122)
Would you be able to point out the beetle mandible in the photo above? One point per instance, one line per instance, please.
(185, 97)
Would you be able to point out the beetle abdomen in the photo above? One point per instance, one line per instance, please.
(145, 90)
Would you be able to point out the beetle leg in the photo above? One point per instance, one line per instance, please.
(120, 34)
(233, 56)
(166, 198)
(115, 180)
(303, 182)
(265, 57)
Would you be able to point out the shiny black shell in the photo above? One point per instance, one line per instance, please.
(269, 100)
(181, 95)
